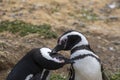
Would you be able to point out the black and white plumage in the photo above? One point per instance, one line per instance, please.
(36, 65)
(87, 64)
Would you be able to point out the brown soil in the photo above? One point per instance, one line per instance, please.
(103, 34)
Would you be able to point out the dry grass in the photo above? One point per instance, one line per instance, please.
(87, 16)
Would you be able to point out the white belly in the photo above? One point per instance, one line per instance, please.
(87, 68)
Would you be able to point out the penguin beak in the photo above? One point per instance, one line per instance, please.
(57, 48)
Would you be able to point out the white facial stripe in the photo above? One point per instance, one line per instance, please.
(71, 33)
(83, 39)
(45, 54)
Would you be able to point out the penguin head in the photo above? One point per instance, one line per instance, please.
(53, 61)
(69, 40)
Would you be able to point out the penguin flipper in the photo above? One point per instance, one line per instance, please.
(71, 75)
(36, 77)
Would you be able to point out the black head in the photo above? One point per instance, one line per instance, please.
(69, 40)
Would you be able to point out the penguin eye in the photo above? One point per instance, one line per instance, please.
(60, 58)
(64, 41)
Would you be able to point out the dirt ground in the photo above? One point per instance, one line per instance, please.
(96, 19)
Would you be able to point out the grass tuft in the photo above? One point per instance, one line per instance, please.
(57, 77)
(115, 76)
(24, 29)
(88, 14)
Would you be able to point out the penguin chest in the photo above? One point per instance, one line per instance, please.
(87, 68)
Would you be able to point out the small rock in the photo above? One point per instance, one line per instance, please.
(113, 18)
(13, 16)
(112, 6)
(2, 13)
(116, 42)
(99, 46)
(111, 48)
(24, 0)
(20, 14)
(79, 24)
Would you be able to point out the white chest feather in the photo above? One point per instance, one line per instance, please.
(87, 68)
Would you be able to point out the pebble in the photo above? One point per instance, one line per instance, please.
(112, 6)
(78, 24)
(116, 42)
(111, 49)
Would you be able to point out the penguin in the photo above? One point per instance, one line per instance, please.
(87, 65)
(37, 65)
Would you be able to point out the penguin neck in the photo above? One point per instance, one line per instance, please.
(81, 47)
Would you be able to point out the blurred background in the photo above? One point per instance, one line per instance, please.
(27, 24)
